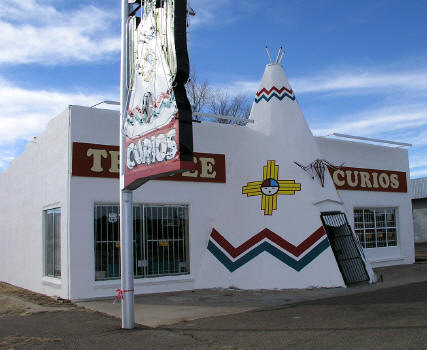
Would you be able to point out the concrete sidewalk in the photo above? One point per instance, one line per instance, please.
(155, 310)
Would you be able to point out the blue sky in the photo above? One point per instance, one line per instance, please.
(357, 68)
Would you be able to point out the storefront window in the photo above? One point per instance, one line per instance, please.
(376, 227)
(160, 241)
(53, 242)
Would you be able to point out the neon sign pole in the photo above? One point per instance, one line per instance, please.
(126, 199)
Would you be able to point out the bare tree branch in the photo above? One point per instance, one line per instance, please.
(203, 98)
(198, 93)
(222, 103)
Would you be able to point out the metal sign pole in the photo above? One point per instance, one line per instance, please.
(126, 245)
(126, 199)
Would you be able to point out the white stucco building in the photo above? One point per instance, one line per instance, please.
(59, 207)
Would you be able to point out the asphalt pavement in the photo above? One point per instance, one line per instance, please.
(391, 314)
(388, 318)
(162, 309)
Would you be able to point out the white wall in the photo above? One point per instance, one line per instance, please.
(362, 155)
(86, 192)
(42, 175)
(211, 205)
(35, 181)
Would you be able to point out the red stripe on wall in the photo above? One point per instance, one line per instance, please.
(266, 233)
(268, 92)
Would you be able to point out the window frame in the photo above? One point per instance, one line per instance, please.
(372, 227)
(141, 255)
(52, 250)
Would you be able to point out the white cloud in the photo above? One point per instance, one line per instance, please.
(25, 113)
(33, 31)
(28, 11)
(419, 173)
(239, 87)
(358, 79)
(5, 158)
(382, 120)
(400, 112)
(207, 12)
(420, 140)
(418, 162)
(351, 81)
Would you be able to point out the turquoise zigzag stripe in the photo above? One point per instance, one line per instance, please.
(280, 97)
(297, 265)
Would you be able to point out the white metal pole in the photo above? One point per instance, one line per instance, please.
(268, 53)
(126, 199)
(126, 249)
(278, 55)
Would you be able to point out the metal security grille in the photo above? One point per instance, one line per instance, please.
(162, 247)
(160, 240)
(344, 246)
(107, 242)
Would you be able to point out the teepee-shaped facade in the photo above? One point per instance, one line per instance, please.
(269, 234)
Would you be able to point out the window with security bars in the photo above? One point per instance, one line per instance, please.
(376, 227)
(52, 241)
(160, 240)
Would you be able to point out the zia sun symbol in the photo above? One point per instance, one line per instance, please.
(270, 187)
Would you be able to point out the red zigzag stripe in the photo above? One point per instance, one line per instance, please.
(266, 233)
(268, 92)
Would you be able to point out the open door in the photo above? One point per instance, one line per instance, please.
(345, 248)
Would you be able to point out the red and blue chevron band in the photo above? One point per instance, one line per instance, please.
(280, 94)
(317, 242)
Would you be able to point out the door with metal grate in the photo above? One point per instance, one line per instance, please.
(345, 248)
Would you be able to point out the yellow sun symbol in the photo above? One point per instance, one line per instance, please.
(270, 187)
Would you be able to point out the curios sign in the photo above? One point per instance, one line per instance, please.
(360, 179)
(157, 127)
